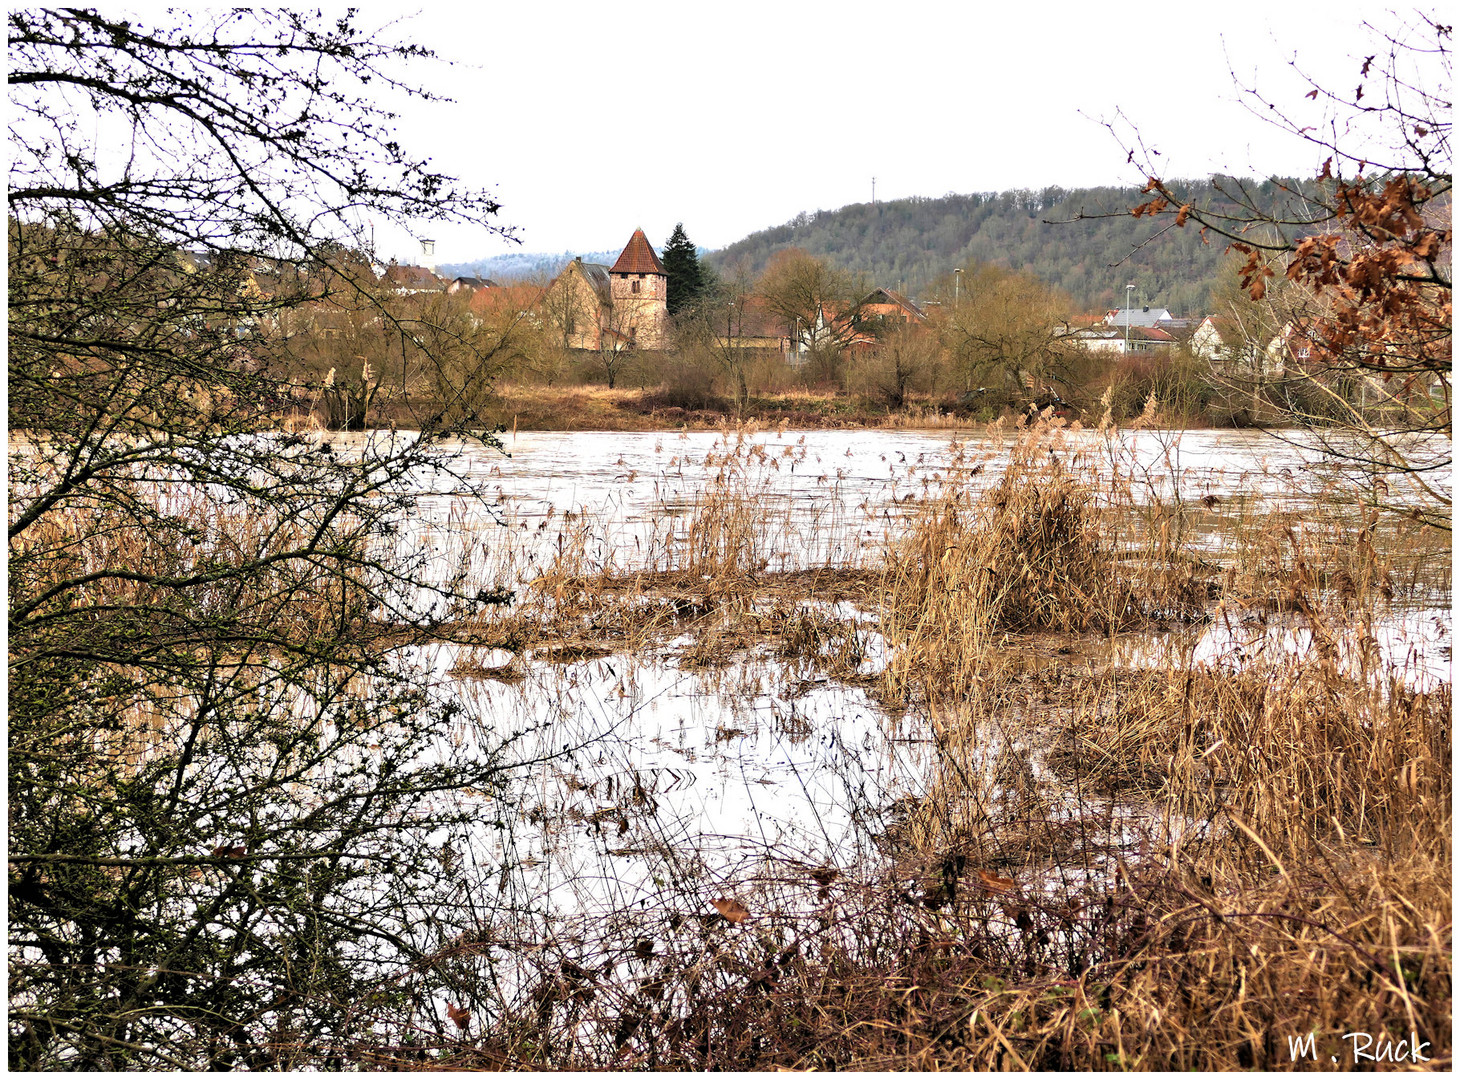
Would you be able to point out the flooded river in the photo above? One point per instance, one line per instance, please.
(827, 497)
(648, 773)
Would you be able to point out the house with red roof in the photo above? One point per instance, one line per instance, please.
(1120, 339)
(619, 307)
(883, 306)
(412, 279)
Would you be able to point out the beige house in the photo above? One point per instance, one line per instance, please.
(1228, 346)
(619, 307)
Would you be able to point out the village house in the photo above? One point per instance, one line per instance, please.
(1224, 343)
(412, 279)
(1136, 340)
(469, 285)
(623, 306)
(854, 328)
(1294, 345)
(750, 324)
(886, 306)
(1147, 316)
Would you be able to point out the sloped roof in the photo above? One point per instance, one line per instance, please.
(1150, 333)
(1144, 316)
(416, 278)
(510, 298)
(638, 257)
(1226, 329)
(1117, 333)
(887, 296)
(595, 274)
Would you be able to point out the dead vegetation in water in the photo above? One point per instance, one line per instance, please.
(714, 569)
(1164, 869)
(1178, 868)
(1027, 937)
(1036, 552)
(1191, 958)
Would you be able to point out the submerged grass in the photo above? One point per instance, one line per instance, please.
(1180, 867)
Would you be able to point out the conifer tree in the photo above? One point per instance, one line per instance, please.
(682, 265)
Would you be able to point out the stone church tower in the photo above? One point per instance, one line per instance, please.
(640, 290)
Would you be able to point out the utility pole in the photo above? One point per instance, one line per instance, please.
(1128, 288)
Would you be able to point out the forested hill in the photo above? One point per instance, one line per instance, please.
(909, 244)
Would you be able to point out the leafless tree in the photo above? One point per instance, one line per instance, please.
(1003, 333)
(222, 826)
(906, 358)
(818, 304)
(1367, 247)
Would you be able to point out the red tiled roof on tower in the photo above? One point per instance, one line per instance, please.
(638, 257)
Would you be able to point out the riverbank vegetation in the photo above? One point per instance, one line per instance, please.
(1181, 390)
(327, 752)
(1123, 851)
(1183, 862)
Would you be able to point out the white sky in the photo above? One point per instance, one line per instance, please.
(587, 120)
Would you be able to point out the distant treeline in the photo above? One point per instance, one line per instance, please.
(914, 244)
(535, 266)
(522, 266)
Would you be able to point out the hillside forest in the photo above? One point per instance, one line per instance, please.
(1082, 241)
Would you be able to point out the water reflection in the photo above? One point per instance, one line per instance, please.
(646, 774)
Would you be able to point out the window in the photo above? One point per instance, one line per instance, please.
(636, 285)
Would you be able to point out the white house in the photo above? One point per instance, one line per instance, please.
(1113, 339)
(1224, 343)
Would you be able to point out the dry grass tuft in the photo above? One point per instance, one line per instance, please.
(1028, 555)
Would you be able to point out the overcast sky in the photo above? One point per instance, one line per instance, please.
(589, 120)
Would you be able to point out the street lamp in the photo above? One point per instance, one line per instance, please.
(957, 281)
(1128, 288)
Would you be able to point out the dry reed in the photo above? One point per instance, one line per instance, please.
(1191, 867)
(1180, 868)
